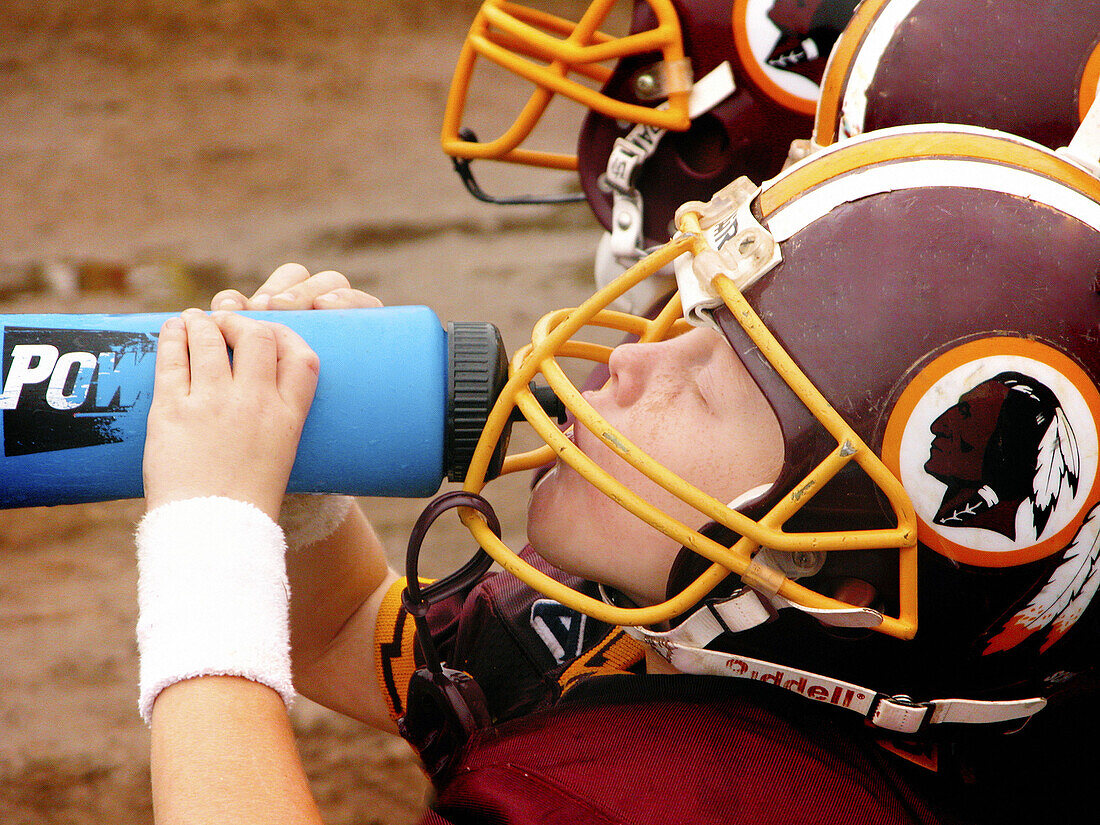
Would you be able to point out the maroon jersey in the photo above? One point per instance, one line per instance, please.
(675, 750)
(578, 733)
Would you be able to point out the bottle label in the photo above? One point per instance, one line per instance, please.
(67, 388)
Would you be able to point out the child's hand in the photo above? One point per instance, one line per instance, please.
(221, 429)
(292, 287)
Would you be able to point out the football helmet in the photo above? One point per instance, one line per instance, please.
(920, 308)
(1029, 69)
(695, 94)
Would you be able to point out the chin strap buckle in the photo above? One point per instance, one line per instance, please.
(902, 714)
(624, 244)
(735, 244)
(899, 713)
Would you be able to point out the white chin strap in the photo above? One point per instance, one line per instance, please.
(684, 647)
(622, 246)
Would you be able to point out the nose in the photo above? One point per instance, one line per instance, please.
(942, 426)
(634, 367)
(628, 366)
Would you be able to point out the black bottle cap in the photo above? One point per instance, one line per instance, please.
(477, 370)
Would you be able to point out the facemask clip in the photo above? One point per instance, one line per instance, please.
(735, 244)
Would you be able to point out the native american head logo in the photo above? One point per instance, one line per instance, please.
(996, 443)
(1005, 442)
(784, 45)
(807, 31)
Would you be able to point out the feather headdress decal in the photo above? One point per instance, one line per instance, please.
(1058, 462)
(1061, 601)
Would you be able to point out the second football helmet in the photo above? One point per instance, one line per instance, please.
(1029, 69)
(695, 94)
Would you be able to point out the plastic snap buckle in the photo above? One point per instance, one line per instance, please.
(899, 713)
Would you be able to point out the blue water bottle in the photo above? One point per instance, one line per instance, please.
(400, 402)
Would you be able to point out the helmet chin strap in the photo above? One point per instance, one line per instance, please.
(685, 648)
(622, 246)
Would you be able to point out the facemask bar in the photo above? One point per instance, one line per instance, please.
(553, 337)
(545, 50)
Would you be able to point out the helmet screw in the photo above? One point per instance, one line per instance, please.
(807, 562)
(645, 86)
(803, 559)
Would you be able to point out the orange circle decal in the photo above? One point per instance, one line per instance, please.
(996, 443)
(1089, 78)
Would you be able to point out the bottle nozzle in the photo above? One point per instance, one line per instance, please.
(477, 372)
(550, 403)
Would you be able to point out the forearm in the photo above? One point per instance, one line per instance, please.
(223, 751)
(343, 678)
(337, 584)
(214, 630)
(330, 580)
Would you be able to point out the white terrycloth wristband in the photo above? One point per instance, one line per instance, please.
(213, 597)
(307, 518)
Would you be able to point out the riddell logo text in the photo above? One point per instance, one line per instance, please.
(66, 388)
(801, 683)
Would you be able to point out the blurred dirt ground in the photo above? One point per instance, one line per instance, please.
(151, 153)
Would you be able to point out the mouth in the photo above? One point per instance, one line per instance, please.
(570, 432)
(575, 437)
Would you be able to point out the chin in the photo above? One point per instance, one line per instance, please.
(582, 532)
(561, 524)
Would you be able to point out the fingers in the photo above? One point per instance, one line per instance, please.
(206, 348)
(267, 354)
(229, 299)
(255, 348)
(302, 295)
(298, 369)
(346, 299)
(292, 287)
(173, 368)
(221, 430)
(283, 278)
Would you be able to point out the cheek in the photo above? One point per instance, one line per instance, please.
(579, 529)
(719, 457)
(696, 448)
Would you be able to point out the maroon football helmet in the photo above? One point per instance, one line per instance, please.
(1026, 68)
(696, 94)
(919, 306)
(938, 286)
(777, 52)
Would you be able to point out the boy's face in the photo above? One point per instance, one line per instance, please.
(691, 405)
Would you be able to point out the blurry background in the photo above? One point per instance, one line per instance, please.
(154, 152)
